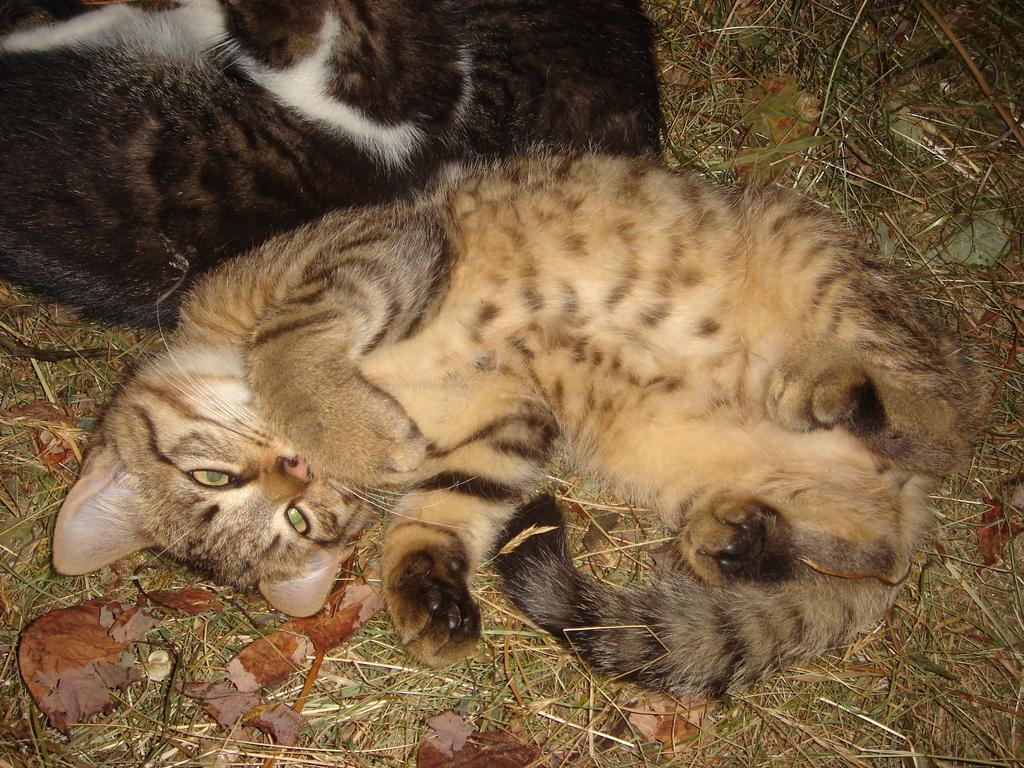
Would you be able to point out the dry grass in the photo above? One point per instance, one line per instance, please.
(909, 148)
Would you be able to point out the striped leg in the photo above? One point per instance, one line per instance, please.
(447, 526)
(429, 558)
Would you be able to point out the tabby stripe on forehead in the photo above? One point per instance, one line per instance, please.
(151, 440)
(469, 485)
(169, 399)
(351, 527)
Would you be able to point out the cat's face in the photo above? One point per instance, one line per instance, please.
(183, 464)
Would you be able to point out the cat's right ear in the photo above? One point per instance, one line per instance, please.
(95, 525)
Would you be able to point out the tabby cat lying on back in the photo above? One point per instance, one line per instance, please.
(736, 363)
(138, 150)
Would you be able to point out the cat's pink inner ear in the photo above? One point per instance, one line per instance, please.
(304, 595)
(95, 525)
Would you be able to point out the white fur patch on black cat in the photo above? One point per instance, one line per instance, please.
(193, 28)
(303, 87)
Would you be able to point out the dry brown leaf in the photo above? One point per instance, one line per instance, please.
(69, 659)
(133, 626)
(50, 421)
(782, 121)
(347, 609)
(190, 600)
(282, 723)
(268, 660)
(450, 732)
(54, 449)
(602, 524)
(483, 750)
(673, 722)
(996, 529)
(221, 700)
(37, 410)
(456, 744)
(271, 659)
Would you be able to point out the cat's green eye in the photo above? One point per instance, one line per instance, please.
(296, 519)
(211, 478)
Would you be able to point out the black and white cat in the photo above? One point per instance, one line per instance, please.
(137, 150)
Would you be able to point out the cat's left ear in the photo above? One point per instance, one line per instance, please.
(305, 594)
(96, 523)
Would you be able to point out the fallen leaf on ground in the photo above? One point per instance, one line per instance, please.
(456, 744)
(600, 526)
(347, 609)
(133, 626)
(659, 717)
(268, 660)
(54, 449)
(980, 242)
(37, 410)
(49, 420)
(69, 660)
(190, 600)
(782, 120)
(450, 732)
(995, 530)
(271, 659)
(282, 723)
(221, 700)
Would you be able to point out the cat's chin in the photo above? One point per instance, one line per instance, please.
(304, 594)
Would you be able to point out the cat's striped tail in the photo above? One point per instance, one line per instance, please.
(678, 634)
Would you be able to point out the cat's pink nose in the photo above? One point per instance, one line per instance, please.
(296, 467)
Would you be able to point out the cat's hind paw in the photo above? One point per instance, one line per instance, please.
(726, 539)
(431, 606)
(821, 391)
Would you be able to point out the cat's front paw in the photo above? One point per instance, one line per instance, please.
(431, 607)
(725, 540)
(812, 392)
(346, 427)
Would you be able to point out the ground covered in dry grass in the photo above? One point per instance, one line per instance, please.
(895, 114)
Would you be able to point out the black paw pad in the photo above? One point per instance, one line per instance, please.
(743, 552)
(451, 607)
(430, 599)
